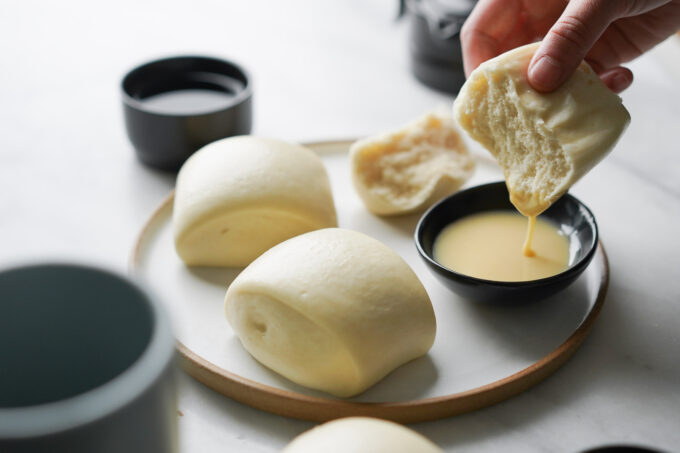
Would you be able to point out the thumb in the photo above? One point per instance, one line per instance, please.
(568, 41)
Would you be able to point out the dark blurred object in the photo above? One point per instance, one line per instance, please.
(436, 57)
(86, 363)
(622, 449)
(177, 105)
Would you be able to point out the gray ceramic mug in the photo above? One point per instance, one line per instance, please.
(86, 363)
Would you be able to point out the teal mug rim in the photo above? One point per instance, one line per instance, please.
(108, 398)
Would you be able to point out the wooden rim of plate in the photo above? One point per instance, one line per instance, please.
(317, 409)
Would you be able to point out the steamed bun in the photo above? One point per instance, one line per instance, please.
(361, 435)
(408, 169)
(543, 142)
(237, 197)
(334, 310)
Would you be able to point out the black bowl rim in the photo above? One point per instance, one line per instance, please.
(243, 95)
(573, 269)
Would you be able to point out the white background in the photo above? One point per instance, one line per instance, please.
(70, 188)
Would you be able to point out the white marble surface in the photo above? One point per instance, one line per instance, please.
(70, 188)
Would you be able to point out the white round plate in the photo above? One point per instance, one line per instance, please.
(482, 353)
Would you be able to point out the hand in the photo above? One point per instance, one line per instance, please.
(606, 33)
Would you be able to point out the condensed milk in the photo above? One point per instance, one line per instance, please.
(497, 246)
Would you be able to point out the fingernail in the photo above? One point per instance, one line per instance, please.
(545, 74)
(619, 83)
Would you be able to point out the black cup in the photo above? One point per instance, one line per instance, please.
(434, 41)
(175, 106)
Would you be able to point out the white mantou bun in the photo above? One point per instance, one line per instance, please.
(361, 435)
(237, 197)
(333, 310)
(544, 142)
(408, 169)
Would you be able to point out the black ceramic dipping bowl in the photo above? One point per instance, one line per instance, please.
(175, 106)
(571, 216)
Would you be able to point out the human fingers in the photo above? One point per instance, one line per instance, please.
(487, 26)
(569, 40)
(629, 37)
(617, 79)
(637, 7)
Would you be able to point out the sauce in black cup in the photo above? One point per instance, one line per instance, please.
(175, 106)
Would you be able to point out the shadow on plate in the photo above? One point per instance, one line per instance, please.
(409, 381)
(216, 276)
(535, 329)
(406, 224)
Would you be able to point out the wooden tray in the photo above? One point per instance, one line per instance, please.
(482, 354)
